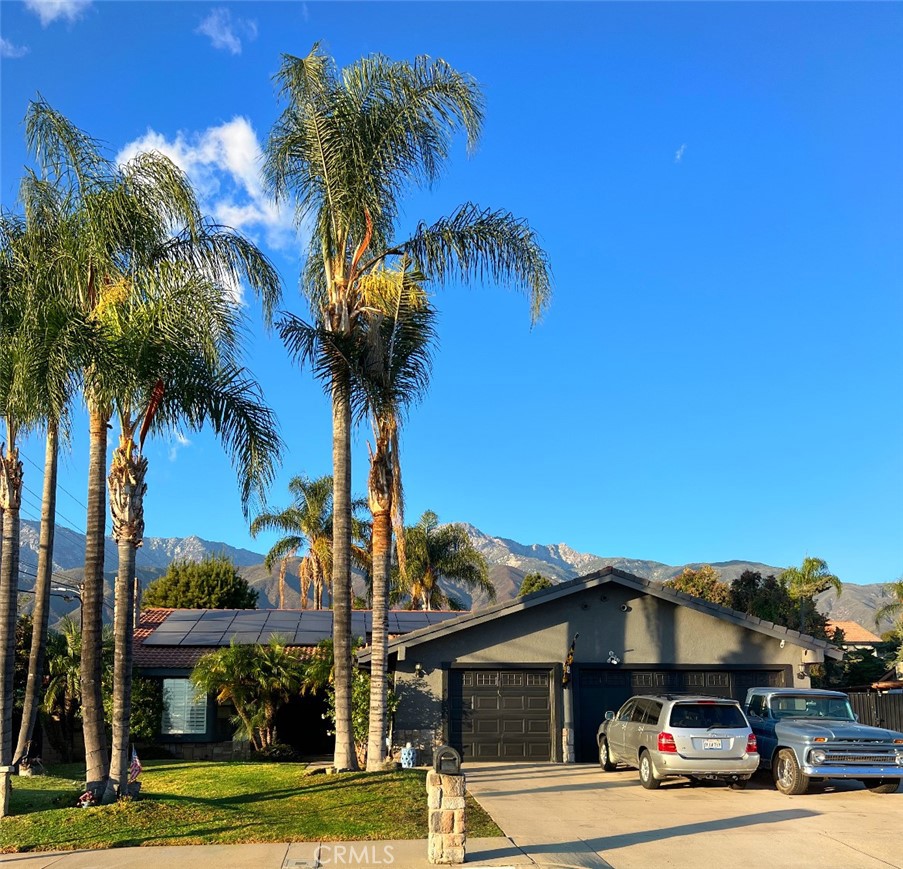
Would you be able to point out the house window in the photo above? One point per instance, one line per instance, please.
(182, 713)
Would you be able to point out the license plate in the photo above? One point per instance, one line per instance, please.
(711, 743)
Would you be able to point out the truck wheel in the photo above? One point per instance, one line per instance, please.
(647, 776)
(882, 785)
(604, 756)
(788, 777)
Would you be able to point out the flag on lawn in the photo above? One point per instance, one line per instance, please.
(134, 766)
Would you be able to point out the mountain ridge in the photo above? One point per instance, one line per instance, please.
(509, 561)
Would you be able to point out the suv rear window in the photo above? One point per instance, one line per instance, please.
(705, 715)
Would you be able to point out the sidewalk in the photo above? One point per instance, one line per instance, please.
(496, 852)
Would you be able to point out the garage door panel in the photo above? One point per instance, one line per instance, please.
(606, 689)
(500, 715)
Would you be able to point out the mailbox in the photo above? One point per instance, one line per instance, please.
(447, 761)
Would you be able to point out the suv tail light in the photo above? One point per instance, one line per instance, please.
(666, 743)
(751, 745)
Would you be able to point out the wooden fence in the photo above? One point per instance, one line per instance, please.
(878, 710)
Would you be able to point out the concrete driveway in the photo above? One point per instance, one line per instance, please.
(577, 815)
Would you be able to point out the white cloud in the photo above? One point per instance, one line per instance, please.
(679, 154)
(226, 32)
(11, 50)
(223, 164)
(180, 441)
(49, 10)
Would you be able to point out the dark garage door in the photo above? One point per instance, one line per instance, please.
(500, 714)
(600, 689)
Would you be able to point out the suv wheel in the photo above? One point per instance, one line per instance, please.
(882, 785)
(788, 777)
(604, 756)
(647, 775)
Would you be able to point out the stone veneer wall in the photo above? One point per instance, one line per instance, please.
(447, 821)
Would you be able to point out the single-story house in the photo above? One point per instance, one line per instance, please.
(855, 636)
(168, 643)
(491, 682)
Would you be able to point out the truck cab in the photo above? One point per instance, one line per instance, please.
(805, 734)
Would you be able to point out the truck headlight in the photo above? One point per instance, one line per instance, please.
(817, 756)
(900, 760)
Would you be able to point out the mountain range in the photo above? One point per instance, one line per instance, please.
(508, 560)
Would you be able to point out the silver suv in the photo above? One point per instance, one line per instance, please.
(680, 735)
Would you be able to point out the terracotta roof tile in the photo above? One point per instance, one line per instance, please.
(853, 632)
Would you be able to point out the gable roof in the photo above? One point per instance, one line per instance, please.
(853, 632)
(593, 580)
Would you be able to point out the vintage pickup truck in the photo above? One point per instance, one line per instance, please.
(804, 734)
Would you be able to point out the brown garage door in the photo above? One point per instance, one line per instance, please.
(500, 714)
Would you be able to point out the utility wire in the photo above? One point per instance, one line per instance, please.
(59, 486)
(58, 512)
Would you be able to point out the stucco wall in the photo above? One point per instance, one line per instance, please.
(652, 631)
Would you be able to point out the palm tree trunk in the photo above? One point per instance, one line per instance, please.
(380, 497)
(345, 756)
(127, 490)
(10, 498)
(92, 608)
(41, 615)
(282, 566)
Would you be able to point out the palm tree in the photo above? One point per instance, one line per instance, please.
(256, 679)
(16, 409)
(804, 582)
(127, 216)
(62, 695)
(57, 332)
(391, 371)
(894, 609)
(436, 552)
(308, 522)
(348, 145)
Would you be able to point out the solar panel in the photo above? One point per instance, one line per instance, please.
(202, 638)
(240, 637)
(316, 617)
(287, 620)
(184, 616)
(310, 638)
(218, 616)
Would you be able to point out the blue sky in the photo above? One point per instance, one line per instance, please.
(718, 186)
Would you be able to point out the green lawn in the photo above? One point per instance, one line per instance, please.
(224, 803)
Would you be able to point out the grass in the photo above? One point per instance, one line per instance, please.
(202, 803)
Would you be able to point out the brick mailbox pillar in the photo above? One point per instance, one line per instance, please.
(445, 801)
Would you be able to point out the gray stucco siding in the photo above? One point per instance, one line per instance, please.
(651, 632)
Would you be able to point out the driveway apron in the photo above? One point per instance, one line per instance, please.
(578, 815)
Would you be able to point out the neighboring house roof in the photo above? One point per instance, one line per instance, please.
(853, 632)
(177, 638)
(598, 578)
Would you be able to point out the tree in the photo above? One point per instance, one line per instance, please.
(62, 696)
(307, 522)
(57, 333)
(257, 679)
(390, 371)
(213, 583)
(894, 609)
(806, 581)
(769, 598)
(135, 272)
(534, 582)
(347, 146)
(442, 552)
(704, 582)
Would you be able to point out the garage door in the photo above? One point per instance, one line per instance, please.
(500, 714)
(601, 689)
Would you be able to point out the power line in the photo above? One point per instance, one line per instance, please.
(58, 485)
(58, 512)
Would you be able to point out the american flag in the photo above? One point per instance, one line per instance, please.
(134, 766)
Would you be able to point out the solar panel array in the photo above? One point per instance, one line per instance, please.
(294, 627)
